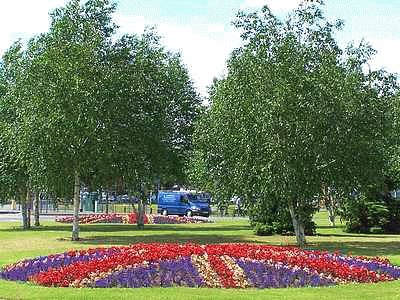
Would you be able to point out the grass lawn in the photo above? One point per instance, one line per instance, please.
(52, 237)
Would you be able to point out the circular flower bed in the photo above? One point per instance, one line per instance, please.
(193, 265)
(93, 218)
(160, 219)
(132, 219)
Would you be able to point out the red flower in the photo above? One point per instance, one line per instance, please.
(98, 260)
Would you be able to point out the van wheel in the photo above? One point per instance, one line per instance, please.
(189, 213)
(164, 212)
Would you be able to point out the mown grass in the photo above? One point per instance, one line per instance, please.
(52, 237)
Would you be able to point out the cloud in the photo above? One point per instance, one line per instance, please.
(21, 19)
(274, 5)
(204, 51)
(129, 24)
(387, 54)
(204, 47)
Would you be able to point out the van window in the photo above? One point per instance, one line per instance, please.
(184, 199)
(168, 198)
(196, 198)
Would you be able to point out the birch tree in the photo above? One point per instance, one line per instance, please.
(296, 112)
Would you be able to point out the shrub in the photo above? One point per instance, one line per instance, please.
(263, 229)
(379, 214)
(275, 217)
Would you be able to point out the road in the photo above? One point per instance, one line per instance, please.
(17, 217)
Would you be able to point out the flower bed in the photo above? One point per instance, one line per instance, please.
(93, 218)
(132, 219)
(160, 219)
(193, 265)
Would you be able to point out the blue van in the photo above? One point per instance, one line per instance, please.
(182, 203)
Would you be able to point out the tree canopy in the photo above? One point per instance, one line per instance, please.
(84, 106)
(295, 112)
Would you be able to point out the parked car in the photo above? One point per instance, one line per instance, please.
(182, 203)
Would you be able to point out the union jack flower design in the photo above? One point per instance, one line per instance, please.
(194, 265)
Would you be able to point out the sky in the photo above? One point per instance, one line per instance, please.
(202, 32)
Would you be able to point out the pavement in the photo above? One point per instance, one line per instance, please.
(9, 211)
(8, 215)
(17, 217)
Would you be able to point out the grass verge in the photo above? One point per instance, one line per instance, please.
(52, 237)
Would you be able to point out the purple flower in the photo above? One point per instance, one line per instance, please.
(371, 265)
(160, 219)
(180, 272)
(263, 275)
(23, 270)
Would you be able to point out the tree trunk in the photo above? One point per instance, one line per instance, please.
(332, 216)
(329, 204)
(141, 208)
(28, 207)
(133, 203)
(24, 212)
(140, 214)
(106, 201)
(75, 224)
(298, 226)
(36, 204)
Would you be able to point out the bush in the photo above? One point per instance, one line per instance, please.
(263, 229)
(392, 224)
(275, 217)
(379, 214)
